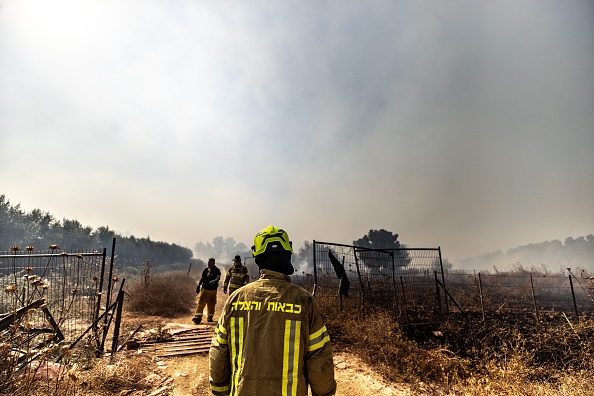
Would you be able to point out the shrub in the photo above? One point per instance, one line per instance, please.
(119, 377)
(472, 358)
(169, 295)
(378, 340)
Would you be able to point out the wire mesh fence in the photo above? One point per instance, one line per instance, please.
(412, 283)
(354, 278)
(67, 283)
(534, 295)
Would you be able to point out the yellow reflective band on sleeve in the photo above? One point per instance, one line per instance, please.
(219, 390)
(221, 334)
(291, 357)
(236, 344)
(318, 333)
(318, 339)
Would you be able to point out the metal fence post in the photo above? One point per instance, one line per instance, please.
(396, 302)
(339, 288)
(315, 272)
(534, 299)
(481, 296)
(108, 321)
(99, 294)
(108, 299)
(447, 306)
(577, 316)
(437, 294)
(118, 320)
(360, 280)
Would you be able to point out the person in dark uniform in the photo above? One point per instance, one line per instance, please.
(207, 287)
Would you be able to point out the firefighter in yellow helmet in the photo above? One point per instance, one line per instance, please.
(270, 339)
(236, 277)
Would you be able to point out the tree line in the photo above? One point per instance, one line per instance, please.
(554, 255)
(41, 229)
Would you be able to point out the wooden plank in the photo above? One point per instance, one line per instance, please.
(174, 344)
(182, 348)
(189, 348)
(173, 340)
(193, 330)
(205, 350)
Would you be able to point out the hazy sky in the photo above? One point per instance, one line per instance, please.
(461, 124)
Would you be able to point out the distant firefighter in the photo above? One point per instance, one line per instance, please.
(237, 276)
(207, 287)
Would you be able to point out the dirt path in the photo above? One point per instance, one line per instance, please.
(354, 378)
(190, 377)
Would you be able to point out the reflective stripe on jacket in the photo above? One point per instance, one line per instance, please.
(237, 277)
(269, 339)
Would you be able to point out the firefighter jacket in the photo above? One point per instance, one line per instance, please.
(270, 341)
(208, 276)
(237, 276)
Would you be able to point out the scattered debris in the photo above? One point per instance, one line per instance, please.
(181, 340)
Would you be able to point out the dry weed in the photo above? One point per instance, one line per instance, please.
(474, 358)
(168, 296)
(378, 340)
(125, 373)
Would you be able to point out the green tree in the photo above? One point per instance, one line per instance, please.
(75, 235)
(385, 240)
(378, 239)
(39, 226)
(103, 236)
(40, 229)
(12, 230)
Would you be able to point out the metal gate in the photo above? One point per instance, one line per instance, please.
(409, 281)
(56, 297)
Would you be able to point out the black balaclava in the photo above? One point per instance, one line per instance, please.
(276, 261)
